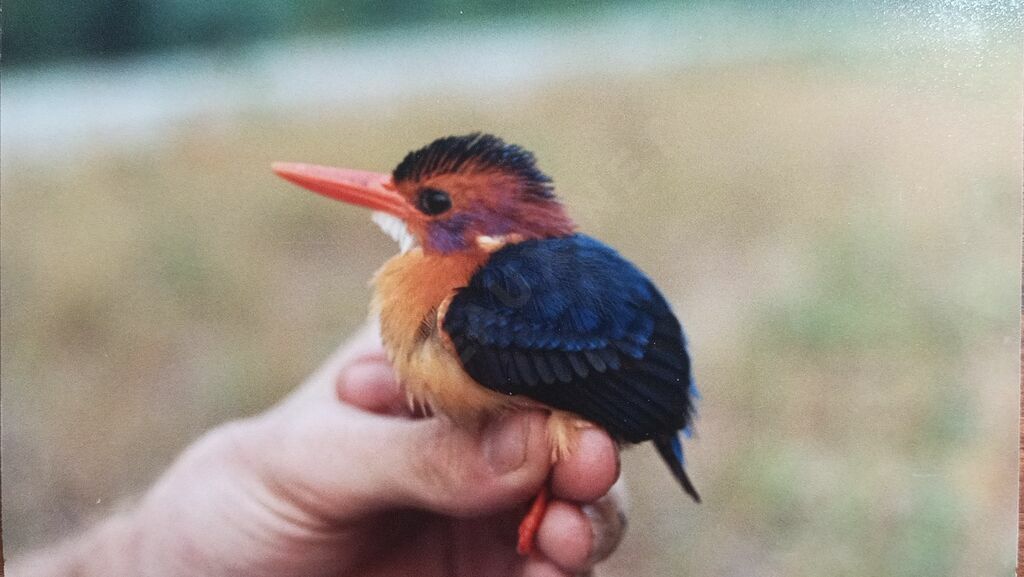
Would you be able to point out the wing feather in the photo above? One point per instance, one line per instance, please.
(570, 323)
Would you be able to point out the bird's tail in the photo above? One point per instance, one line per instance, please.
(671, 450)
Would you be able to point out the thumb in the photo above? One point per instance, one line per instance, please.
(346, 463)
(446, 469)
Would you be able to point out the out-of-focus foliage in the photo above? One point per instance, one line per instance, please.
(40, 30)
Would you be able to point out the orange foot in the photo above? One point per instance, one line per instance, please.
(531, 522)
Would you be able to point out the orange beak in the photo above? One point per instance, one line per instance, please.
(372, 190)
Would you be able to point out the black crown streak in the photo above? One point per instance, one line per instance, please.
(476, 152)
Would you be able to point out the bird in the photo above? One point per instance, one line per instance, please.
(496, 303)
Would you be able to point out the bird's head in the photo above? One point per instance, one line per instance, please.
(455, 194)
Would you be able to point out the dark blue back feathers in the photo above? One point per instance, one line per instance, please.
(570, 323)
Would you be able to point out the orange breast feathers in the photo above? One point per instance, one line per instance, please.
(411, 292)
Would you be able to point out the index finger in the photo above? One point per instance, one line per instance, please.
(369, 382)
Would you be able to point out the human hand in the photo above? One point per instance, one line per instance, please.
(340, 479)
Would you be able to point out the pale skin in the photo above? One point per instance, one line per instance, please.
(339, 479)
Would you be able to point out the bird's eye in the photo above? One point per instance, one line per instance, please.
(433, 201)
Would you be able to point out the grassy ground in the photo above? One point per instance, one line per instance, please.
(840, 236)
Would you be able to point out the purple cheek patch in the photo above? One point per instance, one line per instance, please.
(449, 235)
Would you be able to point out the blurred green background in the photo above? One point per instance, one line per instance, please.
(829, 196)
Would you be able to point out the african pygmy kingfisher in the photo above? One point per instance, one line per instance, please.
(495, 303)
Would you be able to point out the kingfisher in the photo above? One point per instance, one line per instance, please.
(496, 303)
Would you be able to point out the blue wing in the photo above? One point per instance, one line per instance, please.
(570, 323)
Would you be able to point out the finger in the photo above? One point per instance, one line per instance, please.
(608, 522)
(538, 567)
(370, 383)
(590, 470)
(565, 536)
(578, 537)
(455, 471)
(344, 463)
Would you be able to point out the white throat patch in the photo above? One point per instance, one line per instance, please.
(396, 229)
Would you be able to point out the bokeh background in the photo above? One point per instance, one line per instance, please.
(830, 197)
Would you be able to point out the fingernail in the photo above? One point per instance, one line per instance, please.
(607, 524)
(505, 443)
